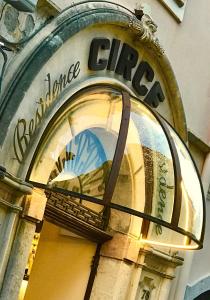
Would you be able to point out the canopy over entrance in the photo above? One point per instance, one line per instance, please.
(107, 150)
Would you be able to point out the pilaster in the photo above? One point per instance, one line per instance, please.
(116, 266)
(21, 208)
(129, 270)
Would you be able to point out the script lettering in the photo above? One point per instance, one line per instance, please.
(25, 129)
(162, 193)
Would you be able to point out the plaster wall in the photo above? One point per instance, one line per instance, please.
(188, 46)
(199, 273)
(200, 264)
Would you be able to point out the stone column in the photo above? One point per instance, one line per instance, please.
(127, 270)
(12, 192)
(19, 213)
(116, 267)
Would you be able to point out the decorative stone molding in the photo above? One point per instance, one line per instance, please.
(12, 193)
(158, 270)
(160, 263)
(145, 29)
(12, 189)
(18, 27)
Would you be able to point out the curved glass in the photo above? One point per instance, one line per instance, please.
(157, 185)
(78, 149)
(148, 161)
(148, 182)
(191, 213)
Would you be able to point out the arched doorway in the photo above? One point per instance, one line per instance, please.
(74, 156)
(62, 265)
(83, 145)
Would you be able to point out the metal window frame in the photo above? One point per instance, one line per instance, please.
(115, 168)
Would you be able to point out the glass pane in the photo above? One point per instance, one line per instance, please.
(79, 146)
(154, 234)
(191, 215)
(77, 153)
(163, 236)
(146, 174)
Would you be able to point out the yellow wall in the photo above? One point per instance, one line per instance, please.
(61, 268)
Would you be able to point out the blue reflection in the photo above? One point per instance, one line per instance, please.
(85, 153)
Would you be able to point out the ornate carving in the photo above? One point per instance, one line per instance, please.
(146, 287)
(16, 26)
(72, 207)
(145, 29)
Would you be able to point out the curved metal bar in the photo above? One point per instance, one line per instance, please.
(123, 209)
(157, 221)
(177, 175)
(112, 180)
(175, 218)
(119, 151)
(176, 165)
(199, 179)
(66, 192)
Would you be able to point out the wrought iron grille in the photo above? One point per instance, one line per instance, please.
(71, 206)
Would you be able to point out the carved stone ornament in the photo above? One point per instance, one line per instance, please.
(145, 29)
(146, 287)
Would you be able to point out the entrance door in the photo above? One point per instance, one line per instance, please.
(61, 267)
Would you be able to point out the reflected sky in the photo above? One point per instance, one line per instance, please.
(82, 155)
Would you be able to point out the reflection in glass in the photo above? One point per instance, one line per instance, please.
(191, 214)
(148, 156)
(77, 155)
(82, 165)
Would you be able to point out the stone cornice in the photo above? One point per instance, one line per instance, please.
(17, 184)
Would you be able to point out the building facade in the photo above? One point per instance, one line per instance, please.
(59, 58)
